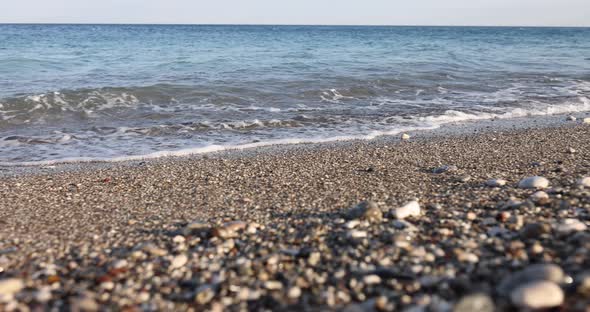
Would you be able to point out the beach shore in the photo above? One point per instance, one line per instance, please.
(283, 229)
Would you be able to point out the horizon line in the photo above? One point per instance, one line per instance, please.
(269, 24)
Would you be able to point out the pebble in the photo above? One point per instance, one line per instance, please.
(410, 209)
(204, 294)
(537, 295)
(478, 302)
(84, 304)
(534, 230)
(43, 294)
(356, 234)
(405, 136)
(273, 285)
(294, 292)
(586, 120)
(445, 168)
(229, 230)
(584, 285)
(120, 264)
(179, 239)
(571, 118)
(153, 250)
(568, 226)
(539, 196)
(178, 262)
(367, 210)
(584, 182)
(532, 273)
(496, 182)
(372, 279)
(534, 182)
(11, 286)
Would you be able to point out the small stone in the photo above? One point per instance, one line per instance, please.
(196, 228)
(84, 304)
(586, 120)
(179, 239)
(294, 292)
(229, 230)
(496, 182)
(367, 210)
(204, 294)
(43, 294)
(10, 286)
(314, 258)
(120, 264)
(410, 209)
(539, 196)
(568, 226)
(532, 273)
(178, 262)
(273, 285)
(584, 182)
(372, 279)
(584, 285)
(571, 150)
(153, 250)
(571, 118)
(445, 168)
(475, 302)
(537, 295)
(534, 230)
(356, 234)
(405, 136)
(534, 183)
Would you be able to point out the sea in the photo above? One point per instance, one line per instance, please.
(71, 93)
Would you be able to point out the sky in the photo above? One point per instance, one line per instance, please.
(315, 12)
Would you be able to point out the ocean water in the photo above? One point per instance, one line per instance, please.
(113, 92)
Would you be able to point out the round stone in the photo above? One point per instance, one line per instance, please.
(537, 295)
(475, 302)
(584, 182)
(410, 209)
(534, 183)
(11, 286)
(178, 262)
(495, 182)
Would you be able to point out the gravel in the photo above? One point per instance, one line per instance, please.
(274, 229)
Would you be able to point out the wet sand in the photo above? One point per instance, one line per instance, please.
(281, 229)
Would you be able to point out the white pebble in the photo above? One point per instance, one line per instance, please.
(372, 279)
(10, 286)
(584, 182)
(537, 295)
(538, 196)
(570, 225)
(495, 182)
(43, 294)
(534, 182)
(571, 118)
(179, 239)
(294, 292)
(586, 120)
(178, 262)
(356, 234)
(405, 136)
(410, 209)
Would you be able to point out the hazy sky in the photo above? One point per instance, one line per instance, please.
(364, 12)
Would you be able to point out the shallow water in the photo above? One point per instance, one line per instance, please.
(111, 92)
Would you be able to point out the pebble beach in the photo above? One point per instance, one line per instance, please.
(485, 221)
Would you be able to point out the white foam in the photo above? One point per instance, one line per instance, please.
(419, 123)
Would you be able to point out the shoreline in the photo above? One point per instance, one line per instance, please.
(461, 128)
(277, 227)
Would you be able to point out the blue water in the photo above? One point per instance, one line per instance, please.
(111, 92)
